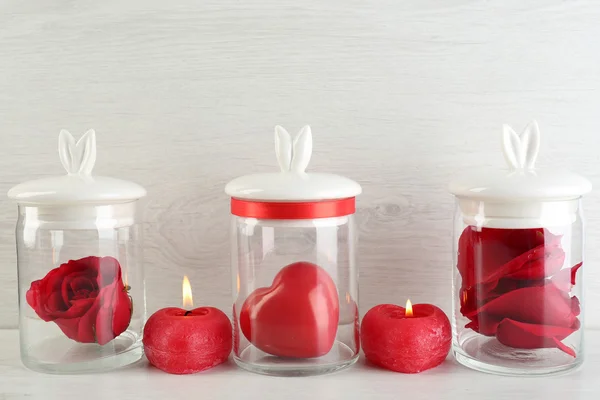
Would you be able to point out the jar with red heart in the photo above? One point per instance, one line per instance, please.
(81, 280)
(295, 278)
(518, 262)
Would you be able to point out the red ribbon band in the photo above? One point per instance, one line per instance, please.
(293, 210)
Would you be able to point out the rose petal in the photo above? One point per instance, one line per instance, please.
(86, 264)
(76, 281)
(80, 329)
(523, 240)
(77, 309)
(541, 267)
(114, 306)
(81, 287)
(544, 305)
(33, 299)
(498, 246)
(486, 325)
(533, 336)
(109, 271)
(70, 328)
(114, 312)
(33, 294)
(478, 295)
(574, 270)
(537, 263)
(527, 269)
(53, 280)
(87, 327)
(575, 306)
(65, 290)
(104, 333)
(488, 249)
(122, 311)
(473, 297)
(82, 283)
(484, 292)
(488, 255)
(54, 304)
(565, 278)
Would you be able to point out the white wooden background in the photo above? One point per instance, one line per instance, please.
(401, 95)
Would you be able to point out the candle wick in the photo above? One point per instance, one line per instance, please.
(187, 313)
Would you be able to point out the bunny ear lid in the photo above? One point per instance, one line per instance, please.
(302, 150)
(283, 148)
(78, 185)
(77, 157)
(523, 183)
(292, 182)
(521, 151)
(293, 156)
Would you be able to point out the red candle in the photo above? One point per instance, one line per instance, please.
(183, 342)
(406, 340)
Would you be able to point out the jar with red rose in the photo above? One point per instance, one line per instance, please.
(294, 273)
(80, 272)
(518, 264)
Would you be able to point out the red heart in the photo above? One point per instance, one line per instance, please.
(297, 316)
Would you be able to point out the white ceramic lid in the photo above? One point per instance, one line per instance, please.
(78, 186)
(292, 183)
(521, 196)
(521, 181)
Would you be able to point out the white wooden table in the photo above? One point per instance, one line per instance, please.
(141, 381)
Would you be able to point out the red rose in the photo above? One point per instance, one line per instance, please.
(86, 298)
(513, 287)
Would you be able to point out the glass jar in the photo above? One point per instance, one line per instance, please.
(294, 274)
(81, 280)
(517, 266)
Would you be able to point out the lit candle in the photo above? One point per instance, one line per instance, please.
(409, 340)
(182, 341)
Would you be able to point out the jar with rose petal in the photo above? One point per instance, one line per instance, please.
(80, 273)
(518, 263)
(294, 272)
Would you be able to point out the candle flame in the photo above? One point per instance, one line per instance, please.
(238, 282)
(188, 302)
(409, 310)
(348, 298)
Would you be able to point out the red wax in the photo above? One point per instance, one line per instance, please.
(297, 316)
(183, 342)
(392, 340)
